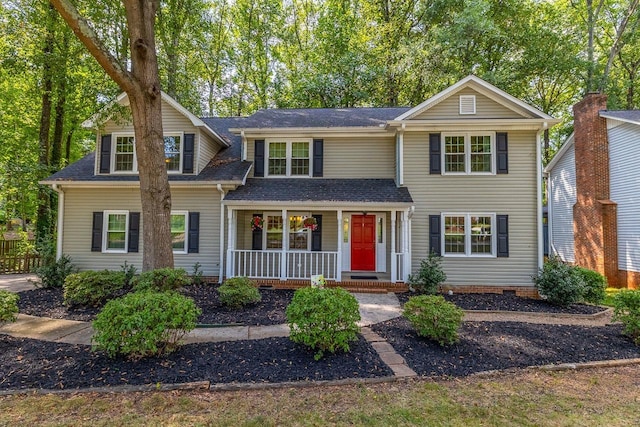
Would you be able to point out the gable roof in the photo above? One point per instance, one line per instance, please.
(123, 99)
(482, 87)
(568, 143)
(629, 116)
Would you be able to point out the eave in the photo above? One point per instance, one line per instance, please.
(472, 124)
(312, 132)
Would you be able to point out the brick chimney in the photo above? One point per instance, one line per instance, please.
(594, 214)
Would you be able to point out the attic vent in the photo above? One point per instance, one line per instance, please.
(467, 104)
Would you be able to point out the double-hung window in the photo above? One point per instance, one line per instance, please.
(468, 153)
(124, 157)
(469, 234)
(124, 154)
(179, 224)
(116, 226)
(299, 235)
(288, 158)
(172, 152)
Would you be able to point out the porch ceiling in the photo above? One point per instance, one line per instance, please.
(320, 190)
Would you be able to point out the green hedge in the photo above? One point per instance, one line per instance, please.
(8, 306)
(161, 279)
(434, 317)
(93, 288)
(238, 291)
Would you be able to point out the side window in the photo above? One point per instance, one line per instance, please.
(124, 154)
(172, 151)
(179, 232)
(116, 225)
(469, 234)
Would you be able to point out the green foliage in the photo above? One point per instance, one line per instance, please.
(161, 279)
(52, 272)
(129, 271)
(595, 285)
(429, 276)
(627, 310)
(239, 291)
(143, 324)
(434, 317)
(8, 306)
(323, 319)
(196, 275)
(558, 283)
(93, 288)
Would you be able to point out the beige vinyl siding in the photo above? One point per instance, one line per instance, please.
(486, 108)
(78, 217)
(353, 157)
(208, 149)
(513, 194)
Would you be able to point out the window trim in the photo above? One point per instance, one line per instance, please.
(265, 216)
(289, 151)
(134, 170)
(186, 232)
(467, 235)
(467, 152)
(306, 231)
(105, 231)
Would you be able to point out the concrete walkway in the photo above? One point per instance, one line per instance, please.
(18, 282)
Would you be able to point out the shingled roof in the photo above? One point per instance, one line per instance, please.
(632, 116)
(321, 117)
(320, 190)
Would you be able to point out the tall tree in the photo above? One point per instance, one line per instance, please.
(142, 85)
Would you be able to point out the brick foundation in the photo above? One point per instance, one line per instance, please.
(521, 291)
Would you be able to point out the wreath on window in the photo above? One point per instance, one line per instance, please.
(257, 222)
(310, 222)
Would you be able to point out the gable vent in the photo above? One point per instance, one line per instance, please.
(467, 104)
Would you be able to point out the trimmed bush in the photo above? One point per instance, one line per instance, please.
(626, 309)
(558, 283)
(53, 273)
(434, 317)
(8, 306)
(430, 275)
(161, 279)
(238, 291)
(323, 319)
(129, 271)
(594, 285)
(143, 324)
(93, 288)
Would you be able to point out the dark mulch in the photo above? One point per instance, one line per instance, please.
(510, 302)
(27, 363)
(487, 346)
(269, 311)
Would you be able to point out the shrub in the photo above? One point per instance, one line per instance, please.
(435, 318)
(238, 291)
(626, 309)
(8, 306)
(93, 288)
(558, 283)
(52, 272)
(143, 324)
(196, 275)
(129, 271)
(594, 285)
(161, 279)
(429, 276)
(323, 319)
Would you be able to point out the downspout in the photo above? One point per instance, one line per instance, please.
(539, 194)
(60, 220)
(221, 267)
(243, 146)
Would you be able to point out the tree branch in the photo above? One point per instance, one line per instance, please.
(94, 45)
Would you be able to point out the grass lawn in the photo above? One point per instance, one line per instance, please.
(606, 397)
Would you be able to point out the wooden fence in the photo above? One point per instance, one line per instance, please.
(13, 262)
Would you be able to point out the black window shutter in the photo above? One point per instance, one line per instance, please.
(105, 154)
(434, 154)
(502, 153)
(188, 153)
(256, 237)
(316, 235)
(318, 153)
(434, 235)
(96, 232)
(134, 232)
(503, 235)
(258, 163)
(194, 233)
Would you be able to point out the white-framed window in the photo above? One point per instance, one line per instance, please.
(115, 231)
(273, 231)
(299, 236)
(466, 153)
(179, 227)
(288, 157)
(468, 234)
(124, 159)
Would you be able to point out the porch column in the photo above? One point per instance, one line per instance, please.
(285, 245)
(406, 236)
(339, 260)
(394, 260)
(230, 243)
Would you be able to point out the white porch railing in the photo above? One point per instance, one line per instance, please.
(397, 258)
(268, 264)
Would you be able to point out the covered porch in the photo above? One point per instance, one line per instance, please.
(361, 233)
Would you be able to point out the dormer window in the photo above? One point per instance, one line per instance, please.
(467, 104)
(124, 154)
(172, 152)
(124, 159)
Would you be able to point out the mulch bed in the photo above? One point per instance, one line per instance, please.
(488, 346)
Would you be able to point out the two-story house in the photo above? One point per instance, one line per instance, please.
(357, 194)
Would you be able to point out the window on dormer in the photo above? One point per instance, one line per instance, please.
(124, 154)
(124, 159)
(172, 152)
(288, 158)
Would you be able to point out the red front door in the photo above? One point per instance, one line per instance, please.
(363, 242)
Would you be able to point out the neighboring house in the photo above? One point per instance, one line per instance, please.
(378, 188)
(593, 188)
